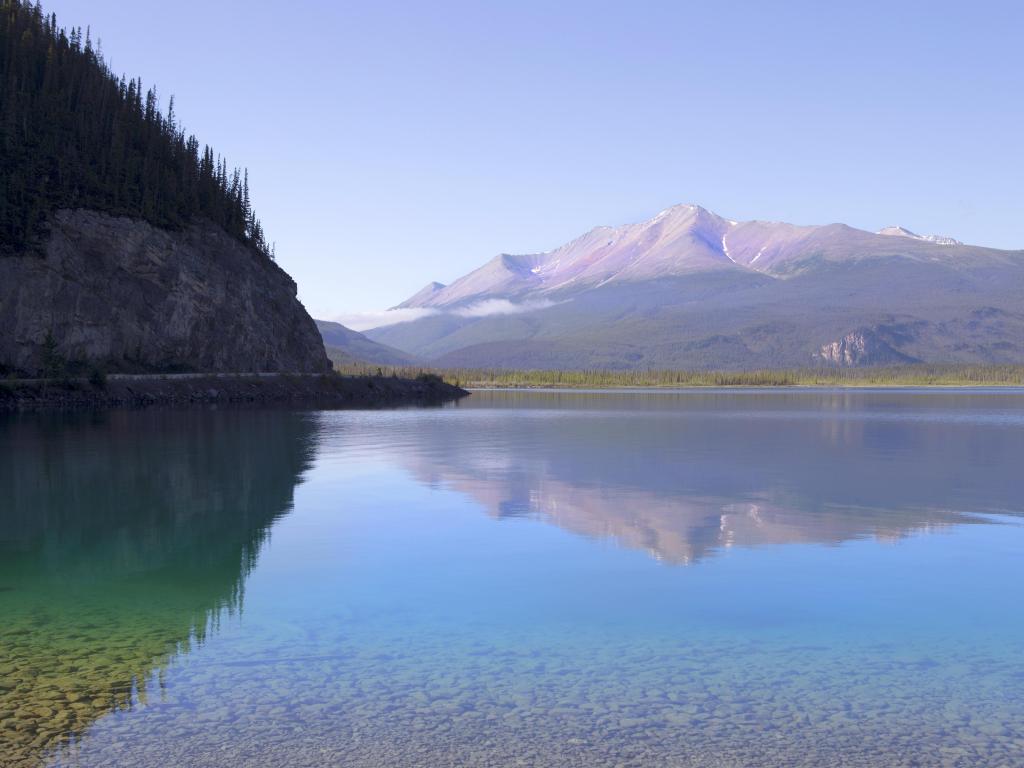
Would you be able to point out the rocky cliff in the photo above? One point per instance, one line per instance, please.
(863, 347)
(123, 295)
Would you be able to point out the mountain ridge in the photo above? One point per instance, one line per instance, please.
(679, 240)
(345, 346)
(690, 288)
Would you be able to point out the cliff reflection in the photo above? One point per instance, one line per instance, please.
(124, 540)
(684, 476)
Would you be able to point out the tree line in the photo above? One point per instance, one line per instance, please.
(74, 135)
(903, 375)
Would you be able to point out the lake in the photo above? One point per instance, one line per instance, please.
(691, 578)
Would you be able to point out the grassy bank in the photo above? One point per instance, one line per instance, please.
(897, 376)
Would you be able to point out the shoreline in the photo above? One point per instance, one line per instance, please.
(227, 389)
(480, 387)
(897, 377)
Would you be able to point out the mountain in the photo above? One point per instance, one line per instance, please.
(896, 231)
(691, 289)
(347, 346)
(123, 245)
(423, 296)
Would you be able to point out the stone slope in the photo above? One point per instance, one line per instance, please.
(120, 294)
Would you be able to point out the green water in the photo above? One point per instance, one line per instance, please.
(708, 578)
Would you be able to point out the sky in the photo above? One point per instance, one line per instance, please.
(390, 144)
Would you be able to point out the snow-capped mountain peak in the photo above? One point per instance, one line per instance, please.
(897, 231)
(687, 288)
(681, 240)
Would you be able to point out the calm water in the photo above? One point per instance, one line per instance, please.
(742, 578)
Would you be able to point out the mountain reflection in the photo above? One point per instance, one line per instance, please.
(124, 539)
(684, 476)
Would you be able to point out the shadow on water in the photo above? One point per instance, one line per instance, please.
(125, 539)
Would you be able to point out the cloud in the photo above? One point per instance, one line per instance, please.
(365, 321)
(490, 307)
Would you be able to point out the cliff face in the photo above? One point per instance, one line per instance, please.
(124, 295)
(864, 347)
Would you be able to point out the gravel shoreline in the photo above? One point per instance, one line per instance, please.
(180, 390)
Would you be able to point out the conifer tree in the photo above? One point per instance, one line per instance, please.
(74, 135)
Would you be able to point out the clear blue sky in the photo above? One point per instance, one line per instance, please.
(390, 144)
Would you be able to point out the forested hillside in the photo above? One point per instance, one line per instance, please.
(124, 245)
(75, 135)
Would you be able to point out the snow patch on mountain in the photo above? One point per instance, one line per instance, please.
(897, 231)
(725, 249)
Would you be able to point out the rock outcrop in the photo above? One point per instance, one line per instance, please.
(122, 295)
(863, 347)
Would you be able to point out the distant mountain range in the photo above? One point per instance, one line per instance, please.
(690, 289)
(345, 347)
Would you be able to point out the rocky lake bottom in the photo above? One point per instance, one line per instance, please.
(699, 578)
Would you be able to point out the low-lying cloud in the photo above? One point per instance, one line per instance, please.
(490, 307)
(365, 321)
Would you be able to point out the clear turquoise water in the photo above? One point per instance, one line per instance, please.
(706, 578)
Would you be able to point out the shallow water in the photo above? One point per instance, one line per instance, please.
(703, 578)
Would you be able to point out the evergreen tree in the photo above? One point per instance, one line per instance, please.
(73, 135)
